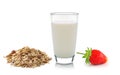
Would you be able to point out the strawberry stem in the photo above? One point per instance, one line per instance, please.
(86, 55)
(80, 53)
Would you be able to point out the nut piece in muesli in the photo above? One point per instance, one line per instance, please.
(27, 57)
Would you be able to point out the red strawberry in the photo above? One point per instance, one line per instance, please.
(94, 56)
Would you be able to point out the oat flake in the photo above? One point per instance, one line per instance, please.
(27, 57)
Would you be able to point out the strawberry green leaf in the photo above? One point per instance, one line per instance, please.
(86, 55)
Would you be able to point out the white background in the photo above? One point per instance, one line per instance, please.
(27, 23)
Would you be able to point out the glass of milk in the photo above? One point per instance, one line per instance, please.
(64, 32)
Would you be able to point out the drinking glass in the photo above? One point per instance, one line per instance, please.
(64, 32)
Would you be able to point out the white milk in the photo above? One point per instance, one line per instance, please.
(64, 39)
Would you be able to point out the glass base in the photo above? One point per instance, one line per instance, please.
(64, 60)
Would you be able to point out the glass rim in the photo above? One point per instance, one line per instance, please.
(64, 13)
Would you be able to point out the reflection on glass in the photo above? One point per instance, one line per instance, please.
(71, 65)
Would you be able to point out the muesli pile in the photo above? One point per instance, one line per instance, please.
(27, 57)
